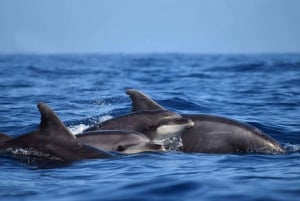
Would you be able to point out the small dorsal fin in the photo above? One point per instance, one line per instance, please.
(50, 123)
(141, 101)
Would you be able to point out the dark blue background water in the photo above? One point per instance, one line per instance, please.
(263, 90)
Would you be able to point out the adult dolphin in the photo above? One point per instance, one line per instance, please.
(214, 134)
(52, 140)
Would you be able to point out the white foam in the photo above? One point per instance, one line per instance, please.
(29, 152)
(172, 143)
(292, 147)
(105, 118)
(77, 129)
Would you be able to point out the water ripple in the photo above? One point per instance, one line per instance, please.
(262, 90)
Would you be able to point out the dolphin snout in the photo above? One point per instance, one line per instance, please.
(185, 121)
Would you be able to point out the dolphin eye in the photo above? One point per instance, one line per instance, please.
(120, 148)
(152, 127)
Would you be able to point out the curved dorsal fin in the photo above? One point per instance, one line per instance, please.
(50, 124)
(141, 101)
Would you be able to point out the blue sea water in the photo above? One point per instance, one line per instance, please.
(262, 90)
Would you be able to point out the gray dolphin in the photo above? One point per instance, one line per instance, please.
(156, 125)
(214, 134)
(122, 141)
(52, 140)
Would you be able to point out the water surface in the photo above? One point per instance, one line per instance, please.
(263, 90)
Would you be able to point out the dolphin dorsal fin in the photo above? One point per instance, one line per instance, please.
(141, 101)
(50, 123)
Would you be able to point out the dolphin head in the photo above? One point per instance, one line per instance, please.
(167, 129)
(122, 141)
(135, 142)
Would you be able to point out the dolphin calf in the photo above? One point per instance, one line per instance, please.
(214, 134)
(52, 140)
(156, 125)
(122, 141)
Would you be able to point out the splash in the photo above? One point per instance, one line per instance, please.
(77, 129)
(105, 118)
(172, 143)
(292, 148)
(29, 153)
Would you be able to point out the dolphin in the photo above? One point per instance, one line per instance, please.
(156, 125)
(214, 134)
(51, 140)
(127, 142)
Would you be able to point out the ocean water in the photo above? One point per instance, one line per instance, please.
(262, 90)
